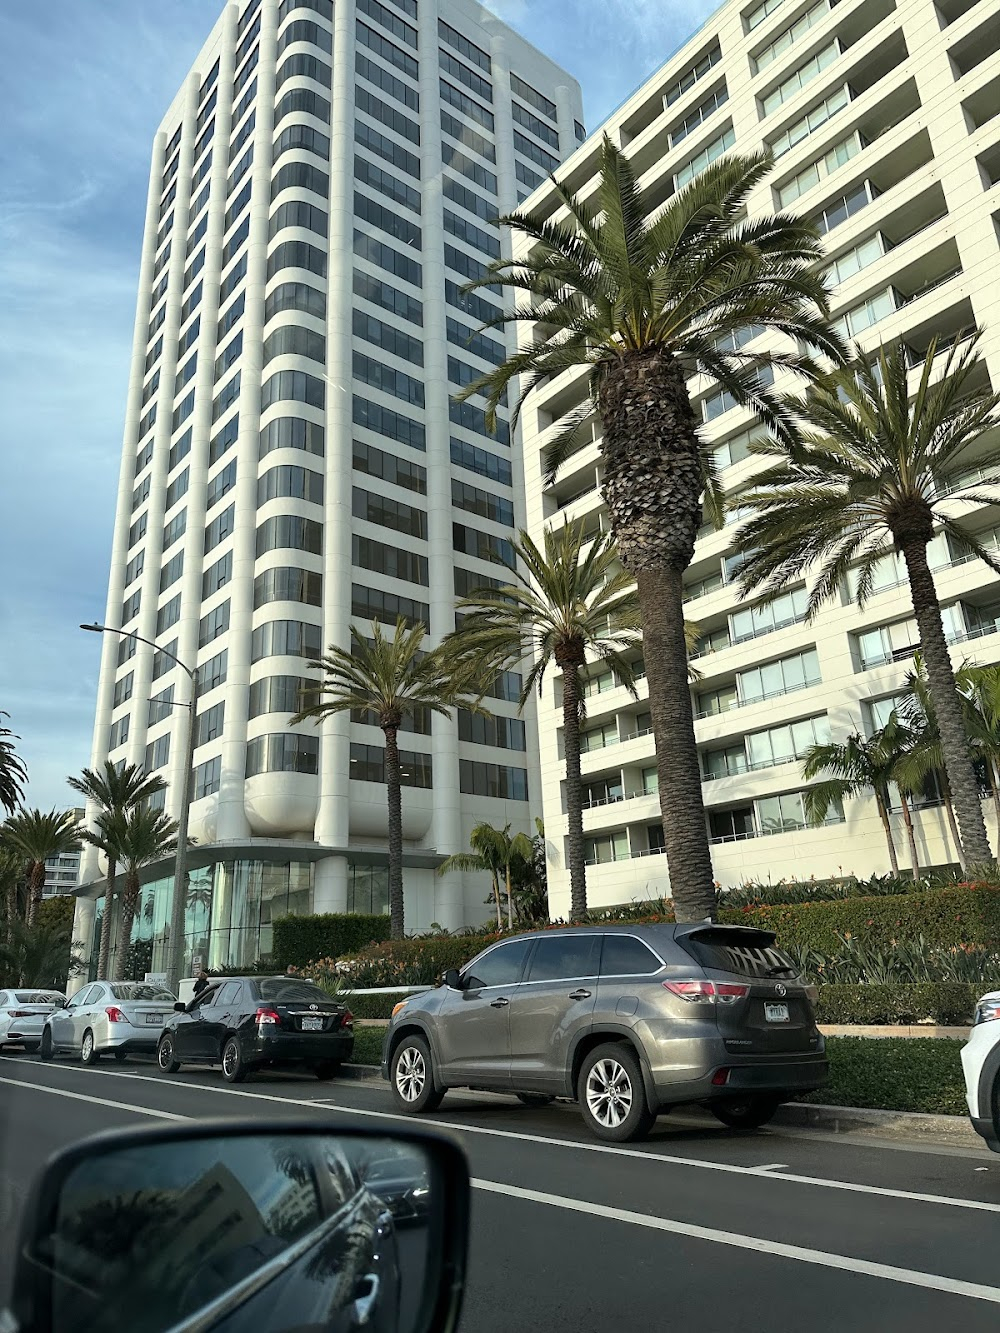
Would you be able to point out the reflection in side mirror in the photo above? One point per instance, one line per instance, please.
(452, 979)
(180, 1007)
(289, 1228)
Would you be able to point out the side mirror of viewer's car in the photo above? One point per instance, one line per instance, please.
(245, 1226)
(452, 979)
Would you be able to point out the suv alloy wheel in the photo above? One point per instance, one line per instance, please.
(411, 1076)
(612, 1096)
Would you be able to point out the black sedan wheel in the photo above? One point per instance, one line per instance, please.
(749, 1113)
(326, 1070)
(234, 1068)
(165, 1060)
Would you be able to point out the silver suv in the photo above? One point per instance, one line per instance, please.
(628, 1020)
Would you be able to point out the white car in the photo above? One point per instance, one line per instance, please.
(22, 1015)
(981, 1063)
(108, 1016)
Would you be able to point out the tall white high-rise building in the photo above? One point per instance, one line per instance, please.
(884, 121)
(324, 183)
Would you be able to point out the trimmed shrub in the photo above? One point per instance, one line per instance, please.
(300, 939)
(368, 1046)
(413, 962)
(949, 1003)
(895, 1074)
(967, 914)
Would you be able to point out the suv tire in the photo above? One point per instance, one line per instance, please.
(534, 1098)
(326, 1070)
(612, 1096)
(411, 1077)
(749, 1113)
(234, 1068)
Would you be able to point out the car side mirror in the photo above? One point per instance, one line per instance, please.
(453, 979)
(245, 1225)
(180, 1007)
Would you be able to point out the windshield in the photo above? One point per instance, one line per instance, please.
(287, 990)
(140, 991)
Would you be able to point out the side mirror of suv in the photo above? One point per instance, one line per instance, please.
(452, 979)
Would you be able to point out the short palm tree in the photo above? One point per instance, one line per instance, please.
(979, 687)
(139, 836)
(564, 607)
(11, 883)
(114, 792)
(645, 297)
(36, 836)
(392, 679)
(500, 855)
(868, 478)
(13, 774)
(857, 766)
(35, 956)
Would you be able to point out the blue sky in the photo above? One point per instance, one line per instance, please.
(85, 85)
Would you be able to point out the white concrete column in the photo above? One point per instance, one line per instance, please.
(232, 820)
(332, 826)
(330, 884)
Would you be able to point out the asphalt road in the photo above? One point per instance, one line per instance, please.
(697, 1228)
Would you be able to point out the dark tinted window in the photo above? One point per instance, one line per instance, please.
(560, 956)
(500, 967)
(228, 994)
(625, 956)
(749, 953)
(282, 990)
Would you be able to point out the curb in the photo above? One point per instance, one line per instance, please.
(357, 1072)
(952, 1130)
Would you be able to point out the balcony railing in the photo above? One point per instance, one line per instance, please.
(755, 766)
(760, 698)
(625, 856)
(788, 826)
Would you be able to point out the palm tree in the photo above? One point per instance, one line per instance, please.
(495, 851)
(114, 792)
(13, 774)
(35, 956)
(869, 478)
(392, 679)
(858, 766)
(564, 606)
(900, 741)
(11, 882)
(979, 687)
(36, 836)
(646, 297)
(140, 836)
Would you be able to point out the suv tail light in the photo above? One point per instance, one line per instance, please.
(267, 1018)
(115, 1015)
(348, 1019)
(708, 992)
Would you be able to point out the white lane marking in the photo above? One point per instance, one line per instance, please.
(771, 1166)
(98, 1101)
(456, 1127)
(840, 1262)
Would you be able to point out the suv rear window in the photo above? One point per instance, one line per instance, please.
(280, 990)
(748, 953)
(626, 956)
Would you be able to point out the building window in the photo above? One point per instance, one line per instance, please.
(400, 471)
(157, 753)
(701, 160)
(164, 661)
(475, 203)
(389, 52)
(497, 780)
(389, 298)
(290, 532)
(207, 778)
(392, 425)
(219, 528)
(295, 296)
(160, 707)
(285, 638)
(786, 675)
(287, 584)
(291, 433)
(816, 171)
(389, 338)
(484, 503)
(127, 648)
(304, 30)
(283, 753)
(467, 105)
(386, 115)
(478, 460)
(533, 97)
(467, 137)
(213, 623)
(209, 723)
(296, 254)
(221, 484)
(217, 576)
(225, 439)
(482, 545)
(389, 513)
(304, 175)
(383, 559)
(388, 379)
(169, 614)
(368, 765)
(381, 78)
(390, 151)
(691, 76)
(172, 570)
(376, 251)
(118, 734)
(123, 689)
(473, 418)
(226, 398)
(474, 54)
(305, 100)
(213, 672)
(301, 63)
(472, 235)
(387, 607)
(385, 18)
(506, 733)
(292, 386)
(280, 694)
(134, 568)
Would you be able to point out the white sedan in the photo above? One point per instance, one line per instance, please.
(981, 1064)
(116, 1017)
(22, 1015)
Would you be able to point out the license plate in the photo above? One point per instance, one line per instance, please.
(312, 1025)
(776, 1013)
(154, 1020)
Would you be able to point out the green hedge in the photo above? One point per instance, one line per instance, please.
(414, 962)
(367, 1046)
(895, 1074)
(950, 1003)
(372, 1006)
(967, 914)
(299, 940)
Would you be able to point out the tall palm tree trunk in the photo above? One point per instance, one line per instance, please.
(510, 901)
(109, 908)
(496, 895)
(689, 861)
(395, 798)
(36, 884)
(883, 814)
(947, 704)
(949, 810)
(904, 806)
(991, 773)
(574, 785)
(11, 907)
(130, 901)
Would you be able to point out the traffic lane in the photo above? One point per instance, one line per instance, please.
(906, 1233)
(536, 1267)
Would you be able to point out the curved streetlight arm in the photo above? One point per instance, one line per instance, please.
(175, 955)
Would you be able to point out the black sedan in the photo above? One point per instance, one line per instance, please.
(248, 1023)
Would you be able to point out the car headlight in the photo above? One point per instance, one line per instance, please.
(396, 1007)
(987, 1010)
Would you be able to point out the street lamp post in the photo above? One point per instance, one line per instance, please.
(175, 952)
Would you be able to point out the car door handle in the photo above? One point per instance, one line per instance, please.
(579, 995)
(499, 1003)
(364, 1302)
